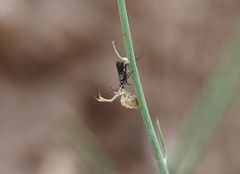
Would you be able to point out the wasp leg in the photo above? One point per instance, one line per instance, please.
(129, 74)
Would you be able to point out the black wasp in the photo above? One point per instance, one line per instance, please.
(122, 73)
(122, 68)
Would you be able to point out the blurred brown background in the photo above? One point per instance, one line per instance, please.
(55, 55)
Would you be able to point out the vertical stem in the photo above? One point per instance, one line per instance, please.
(138, 88)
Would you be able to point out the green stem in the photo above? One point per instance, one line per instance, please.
(138, 88)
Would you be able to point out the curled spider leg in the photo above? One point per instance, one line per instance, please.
(128, 100)
(117, 94)
(123, 59)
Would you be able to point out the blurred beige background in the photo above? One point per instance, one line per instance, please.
(55, 55)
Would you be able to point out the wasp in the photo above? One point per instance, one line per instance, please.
(123, 75)
(128, 99)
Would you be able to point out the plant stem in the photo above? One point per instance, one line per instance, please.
(138, 88)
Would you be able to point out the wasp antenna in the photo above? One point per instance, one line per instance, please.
(139, 58)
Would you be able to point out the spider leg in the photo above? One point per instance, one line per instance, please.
(123, 59)
(117, 94)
